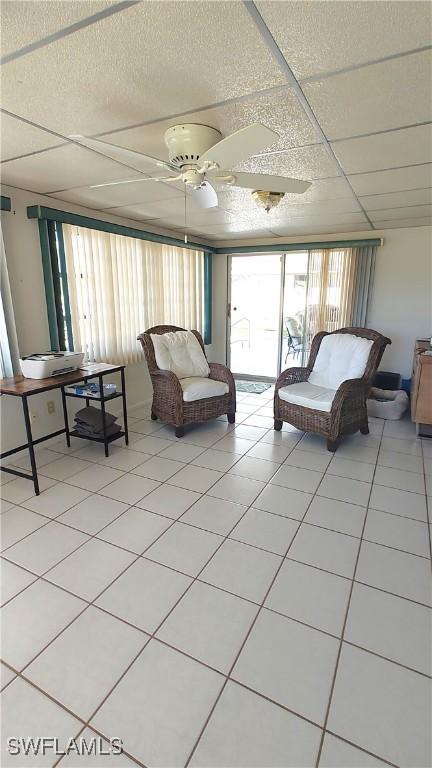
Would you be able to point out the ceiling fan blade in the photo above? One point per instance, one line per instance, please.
(133, 181)
(136, 160)
(239, 146)
(263, 181)
(205, 196)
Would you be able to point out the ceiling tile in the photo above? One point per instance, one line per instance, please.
(397, 199)
(299, 227)
(62, 168)
(385, 150)
(420, 222)
(26, 22)
(18, 138)
(228, 233)
(375, 98)
(321, 36)
(153, 59)
(411, 177)
(120, 195)
(169, 210)
(302, 163)
(324, 189)
(411, 212)
(322, 220)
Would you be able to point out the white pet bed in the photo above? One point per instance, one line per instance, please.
(387, 403)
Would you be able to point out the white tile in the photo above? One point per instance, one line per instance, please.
(144, 594)
(33, 618)
(324, 549)
(283, 501)
(250, 433)
(45, 547)
(290, 663)
(397, 460)
(309, 460)
(356, 470)
(338, 754)
(370, 690)
(95, 477)
(180, 451)
(169, 501)
(287, 439)
(56, 500)
(242, 570)
(84, 662)
(94, 452)
(398, 532)
(398, 478)
(233, 444)
(256, 420)
(27, 712)
(120, 459)
(129, 488)
(6, 676)
(17, 523)
(209, 625)
(398, 502)
(12, 580)
(219, 460)
(270, 452)
(403, 429)
(238, 489)
(106, 757)
(151, 445)
(19, 490)
(345, 489)
(157, 468)
(195, 478)
(145, 426)
(310, 596)
(160, 706)
(390, 626)
(411, 446)
(265, 530)
(5, 505)
(357, 452)
(264, 735)
(135, 530)
(93, 514)
(312, 442)
(216, 515)
(299, 479)
(90, 569)
(43, 457)
(394, 571)
(63, 467)
(256, 469)
(184, 548)
(336, 515)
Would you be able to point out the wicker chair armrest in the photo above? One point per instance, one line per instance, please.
(291, 376)
(169, 381)
(349, 391)
(220, 372)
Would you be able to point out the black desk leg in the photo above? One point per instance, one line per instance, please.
(65, 415)
(123, 385)
(30, 445)
(102, 402)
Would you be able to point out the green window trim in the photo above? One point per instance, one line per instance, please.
(285, 247)
(6, 203)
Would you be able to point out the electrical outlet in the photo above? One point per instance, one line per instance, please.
(34, 416)
(51, 406)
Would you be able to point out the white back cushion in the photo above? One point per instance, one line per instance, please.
(181, 353)
(341, 356)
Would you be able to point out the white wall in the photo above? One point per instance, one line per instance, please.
(400, 305)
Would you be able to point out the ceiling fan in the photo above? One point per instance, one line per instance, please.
(199, 157)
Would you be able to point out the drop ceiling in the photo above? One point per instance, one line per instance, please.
(346, 86)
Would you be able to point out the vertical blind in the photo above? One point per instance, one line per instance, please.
(119, 286)
(8, 338)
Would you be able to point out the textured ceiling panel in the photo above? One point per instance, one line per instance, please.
(324, 190)
(385, 150)
(26, 21)
(305, 31)
(279, 111)
(120, 195)
(413, 212)
(411, 177)
(375, 98)
(148, 66)
(18, 138)
(420, 222)
(172, 209)
(397, 199)
(68, 166)
(302, 163)
(301, 227)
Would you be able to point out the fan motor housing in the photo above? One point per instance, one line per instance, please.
(186, 143)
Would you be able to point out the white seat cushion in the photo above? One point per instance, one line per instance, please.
(181, 353)
(196, 388)
(341, 356)
(308, 395)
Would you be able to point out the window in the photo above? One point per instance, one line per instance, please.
(8, 342)
(118, 286)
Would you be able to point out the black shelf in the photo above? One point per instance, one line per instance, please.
(110, 438)
(97, 398)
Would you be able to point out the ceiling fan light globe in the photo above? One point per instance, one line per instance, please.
(267, 200)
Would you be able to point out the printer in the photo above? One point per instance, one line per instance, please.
(42, 365)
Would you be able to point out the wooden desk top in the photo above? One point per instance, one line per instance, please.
(19, 386)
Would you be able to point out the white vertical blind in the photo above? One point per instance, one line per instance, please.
(119, 286)
(8, 339)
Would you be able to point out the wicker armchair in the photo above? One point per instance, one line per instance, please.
(168, 404)
(348, 409)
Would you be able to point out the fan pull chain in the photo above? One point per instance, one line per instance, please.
(185, 237)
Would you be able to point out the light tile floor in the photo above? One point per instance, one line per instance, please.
(236, 598)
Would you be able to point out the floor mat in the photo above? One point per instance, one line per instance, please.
(255, 387)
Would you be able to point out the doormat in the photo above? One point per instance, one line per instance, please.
(254, 387)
